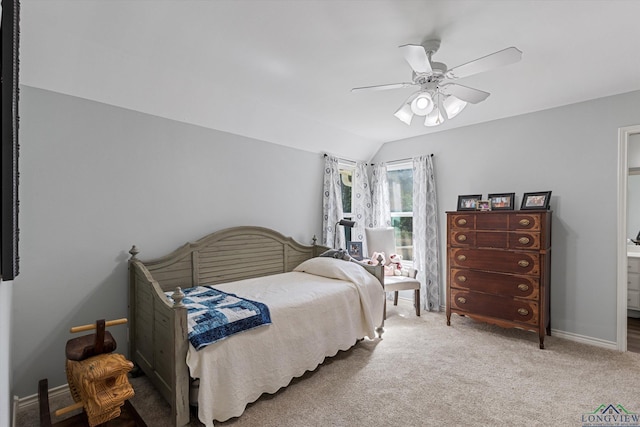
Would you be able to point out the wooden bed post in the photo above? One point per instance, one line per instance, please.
(180, 388)
(131, 306)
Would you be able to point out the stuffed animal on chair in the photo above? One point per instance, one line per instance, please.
(395, 262)
(374, 259)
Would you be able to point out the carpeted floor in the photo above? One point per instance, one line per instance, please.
(424, 373)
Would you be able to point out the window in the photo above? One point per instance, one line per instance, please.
(400, 178)
(346, 186)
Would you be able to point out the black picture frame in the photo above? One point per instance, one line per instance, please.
(9, 147)
(536, 201)
(355, 249)
(468, 202)
(502, 201)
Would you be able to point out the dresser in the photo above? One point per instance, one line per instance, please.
(498, 268)
(633, 285)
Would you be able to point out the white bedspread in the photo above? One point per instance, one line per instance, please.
(313, 317)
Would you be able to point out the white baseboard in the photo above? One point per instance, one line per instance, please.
(611, 345)
(14, 413)
(27, 402)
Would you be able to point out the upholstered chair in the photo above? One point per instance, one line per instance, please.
(383, 240)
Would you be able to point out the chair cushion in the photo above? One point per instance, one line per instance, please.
(400, 283)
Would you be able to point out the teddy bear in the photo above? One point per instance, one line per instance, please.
(392, 264)
(395, 262)
(375, 256)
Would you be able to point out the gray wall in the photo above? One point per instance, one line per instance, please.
(571, 150)
(96, 179)
(6, 291)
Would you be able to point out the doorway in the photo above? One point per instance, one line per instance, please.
(626, 136)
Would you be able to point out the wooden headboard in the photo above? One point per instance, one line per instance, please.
(229, 255)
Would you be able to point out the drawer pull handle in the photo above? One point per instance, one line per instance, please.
(524, 222)
(462, 300)
(462, 258)
(462, 238)
(523, 311)
(523, 287)
(462, 221)
(523, 263)
(523, 240)
(462, 279)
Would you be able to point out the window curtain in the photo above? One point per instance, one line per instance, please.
(331, 204)
(425, 232)
(361, 204)
(381, 212)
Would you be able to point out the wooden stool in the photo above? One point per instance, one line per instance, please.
(128, 416)
(100, 383)
(97, 378)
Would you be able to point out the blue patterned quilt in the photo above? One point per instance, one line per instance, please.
(214, 315)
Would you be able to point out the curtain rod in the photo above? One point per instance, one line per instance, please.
(402, 160)
(343, 159)
(392, 161)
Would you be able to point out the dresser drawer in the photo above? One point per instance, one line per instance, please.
(492, 221)
(464, 221)
(464, 238)
(524, 240)
(510, 309)
(492, 239)
(633, 264)
(525, 222)
(496, 260)
(496, 283)
(633, 300)
(633, 281)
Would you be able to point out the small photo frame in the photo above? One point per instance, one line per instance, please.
(469, 202)
(502, 201)
(537, 201)
(355, 250)
(483, 205)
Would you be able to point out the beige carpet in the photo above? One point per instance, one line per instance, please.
(424, 373)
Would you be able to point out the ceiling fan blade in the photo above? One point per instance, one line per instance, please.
(464, 93)
(383, 87)
(503, 57)
(416, 57)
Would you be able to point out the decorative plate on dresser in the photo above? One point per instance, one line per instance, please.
(498, 268)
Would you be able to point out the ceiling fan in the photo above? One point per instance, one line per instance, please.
(436, 94)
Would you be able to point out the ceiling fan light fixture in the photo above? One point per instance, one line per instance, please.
(404, 113)
(453, 106)
(434, 118)
(422, 104)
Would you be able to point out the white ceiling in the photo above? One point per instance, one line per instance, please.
(282, 70)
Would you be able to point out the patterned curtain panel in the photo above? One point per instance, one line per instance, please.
(381, 214)
(331, 204)
(361, 205)
(425, 232)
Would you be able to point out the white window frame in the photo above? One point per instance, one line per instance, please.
(395, 166)
(343, 165)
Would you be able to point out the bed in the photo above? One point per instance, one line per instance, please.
(318, 306)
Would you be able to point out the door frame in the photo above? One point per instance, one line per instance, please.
(624, 134)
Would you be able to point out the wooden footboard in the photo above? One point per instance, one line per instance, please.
(158, 339)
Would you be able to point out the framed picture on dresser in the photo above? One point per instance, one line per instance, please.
(539, 200)
(469, 202)
(502, 201)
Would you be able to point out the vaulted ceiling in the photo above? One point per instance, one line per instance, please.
(282, 70)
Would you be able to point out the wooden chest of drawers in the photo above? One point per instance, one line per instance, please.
(498, 268)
